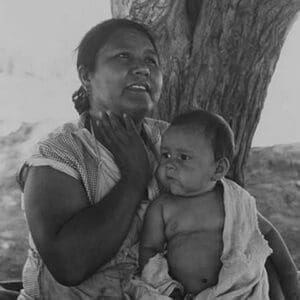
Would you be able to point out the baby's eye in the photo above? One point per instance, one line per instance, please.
(165, 155)
(184, 157)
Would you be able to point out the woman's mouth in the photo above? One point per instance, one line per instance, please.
(139, 87)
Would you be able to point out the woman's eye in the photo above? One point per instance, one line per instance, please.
(184, 157)
(123, 55)
(151, 60)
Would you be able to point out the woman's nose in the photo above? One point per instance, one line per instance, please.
(141, 70)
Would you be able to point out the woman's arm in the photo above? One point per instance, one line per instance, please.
(281, 260)
(73, 238)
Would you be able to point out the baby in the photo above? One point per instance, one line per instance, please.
(208, 225)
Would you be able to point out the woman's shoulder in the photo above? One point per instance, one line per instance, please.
(62, 145)
(60, 149)
(64, 136)
(66, 129)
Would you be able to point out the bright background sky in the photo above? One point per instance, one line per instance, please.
(37, 39)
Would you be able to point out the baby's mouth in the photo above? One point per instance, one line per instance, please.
(171, 178)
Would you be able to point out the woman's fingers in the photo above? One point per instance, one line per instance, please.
(111, 129)
(115, 130)
(105, 120)
(118, 128)
(103, 134)
(111, 121)
(115, 121)
(129, 124)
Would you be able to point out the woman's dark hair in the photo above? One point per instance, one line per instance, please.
(92, 42)
(215, 128)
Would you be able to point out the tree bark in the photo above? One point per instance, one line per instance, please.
(218, 55)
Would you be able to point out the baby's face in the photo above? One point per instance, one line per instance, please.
(187, 162)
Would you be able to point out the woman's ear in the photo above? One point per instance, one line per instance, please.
(222, 167)
(84, 76)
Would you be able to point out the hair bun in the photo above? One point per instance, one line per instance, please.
(81, 100)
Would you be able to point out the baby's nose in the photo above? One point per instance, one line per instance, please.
(171, 165)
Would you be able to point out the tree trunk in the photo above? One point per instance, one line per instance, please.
(218, 55)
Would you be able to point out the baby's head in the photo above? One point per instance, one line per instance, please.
(196, 151)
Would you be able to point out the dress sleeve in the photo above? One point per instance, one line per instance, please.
(60, 152)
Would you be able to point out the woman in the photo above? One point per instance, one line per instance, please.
(88, 185)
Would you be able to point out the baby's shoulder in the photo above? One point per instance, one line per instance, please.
(165, 200)
(165, 197)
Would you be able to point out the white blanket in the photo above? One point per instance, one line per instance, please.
(242, 276)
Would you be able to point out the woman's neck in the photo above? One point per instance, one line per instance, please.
(90, 121)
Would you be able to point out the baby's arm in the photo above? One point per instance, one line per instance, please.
(281, 259)
(153, 237)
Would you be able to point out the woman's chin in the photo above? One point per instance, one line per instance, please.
(138, 114)
(139, 107)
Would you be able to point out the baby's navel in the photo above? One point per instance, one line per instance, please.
(173, 226)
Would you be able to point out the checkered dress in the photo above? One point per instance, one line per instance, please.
(73, 150)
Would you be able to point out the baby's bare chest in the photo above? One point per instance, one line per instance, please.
(203, 217)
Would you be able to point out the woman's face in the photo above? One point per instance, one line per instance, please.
(127, 76)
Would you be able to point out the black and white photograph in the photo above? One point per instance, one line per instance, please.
(149, 150)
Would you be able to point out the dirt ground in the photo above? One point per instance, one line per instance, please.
(13, 241)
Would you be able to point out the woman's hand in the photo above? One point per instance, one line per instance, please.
(121, 138)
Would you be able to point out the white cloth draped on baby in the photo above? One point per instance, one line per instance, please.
(243, 274)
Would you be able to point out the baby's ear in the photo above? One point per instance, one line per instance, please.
(222, 167)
